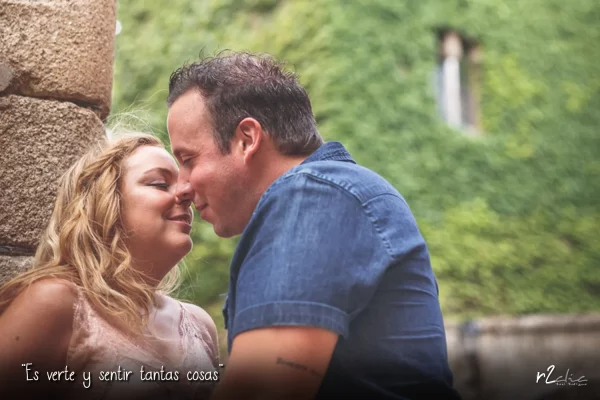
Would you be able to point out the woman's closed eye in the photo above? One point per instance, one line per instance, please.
(160, 185)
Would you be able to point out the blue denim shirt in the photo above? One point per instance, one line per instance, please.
(333, 245)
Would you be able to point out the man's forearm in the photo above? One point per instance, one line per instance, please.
(286, 379)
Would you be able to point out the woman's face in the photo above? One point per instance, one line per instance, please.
(157, 225)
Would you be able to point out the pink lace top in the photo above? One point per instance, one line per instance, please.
(97, 347)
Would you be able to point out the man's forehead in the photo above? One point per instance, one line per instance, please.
(178, 135)
(191, 144)
(188, 141)
(181, 114)
(187, 105)
(188, 124)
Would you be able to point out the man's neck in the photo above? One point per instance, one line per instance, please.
(278, 166)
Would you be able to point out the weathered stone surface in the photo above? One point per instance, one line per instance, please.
(540, 323)
(510, 363)
(39, 140)
(6, 75)
(11, 266)
(59, 49)
(507, 354)
(461, 358)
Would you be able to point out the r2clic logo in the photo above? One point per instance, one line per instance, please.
(563, 380)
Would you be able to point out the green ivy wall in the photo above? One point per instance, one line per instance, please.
(511, 216)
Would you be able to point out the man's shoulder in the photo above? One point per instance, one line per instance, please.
(359, 181)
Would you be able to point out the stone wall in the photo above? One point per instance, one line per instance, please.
(56, 71)
(501, 358)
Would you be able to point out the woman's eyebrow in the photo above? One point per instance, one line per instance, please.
(165, 171)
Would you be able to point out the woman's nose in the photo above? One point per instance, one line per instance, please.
(184, 192)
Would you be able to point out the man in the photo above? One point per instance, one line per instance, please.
(331, 293)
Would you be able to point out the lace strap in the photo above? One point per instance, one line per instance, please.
(192, 328)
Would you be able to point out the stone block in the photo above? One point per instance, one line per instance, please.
(39, 140)
(11, 266)
(59, 49)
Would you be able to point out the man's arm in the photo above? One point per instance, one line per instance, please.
(276, 363)
(304, 273)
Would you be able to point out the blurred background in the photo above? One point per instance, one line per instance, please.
(484, 114)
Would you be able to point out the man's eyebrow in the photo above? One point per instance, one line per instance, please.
(159, 169)
(179, 152)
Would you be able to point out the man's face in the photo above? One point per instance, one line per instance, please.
(217, 180)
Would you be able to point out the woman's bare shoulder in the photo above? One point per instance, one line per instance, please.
(37, 326)
(49, 298)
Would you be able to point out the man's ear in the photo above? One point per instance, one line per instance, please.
(248, 137)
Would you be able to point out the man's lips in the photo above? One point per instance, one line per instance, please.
(200, 209)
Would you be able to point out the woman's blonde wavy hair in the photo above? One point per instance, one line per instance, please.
(84, 242)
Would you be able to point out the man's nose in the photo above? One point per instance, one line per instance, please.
(184, 192)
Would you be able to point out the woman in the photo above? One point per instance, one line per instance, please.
(96, 297)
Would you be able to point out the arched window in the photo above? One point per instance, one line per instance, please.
(458, 81)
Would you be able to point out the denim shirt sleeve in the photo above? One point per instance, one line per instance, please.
(313, 258)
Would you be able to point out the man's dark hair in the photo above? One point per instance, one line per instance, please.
(238, 85)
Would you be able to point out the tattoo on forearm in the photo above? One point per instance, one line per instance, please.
(297, 366)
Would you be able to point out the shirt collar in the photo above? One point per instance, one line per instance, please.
(330, 151)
